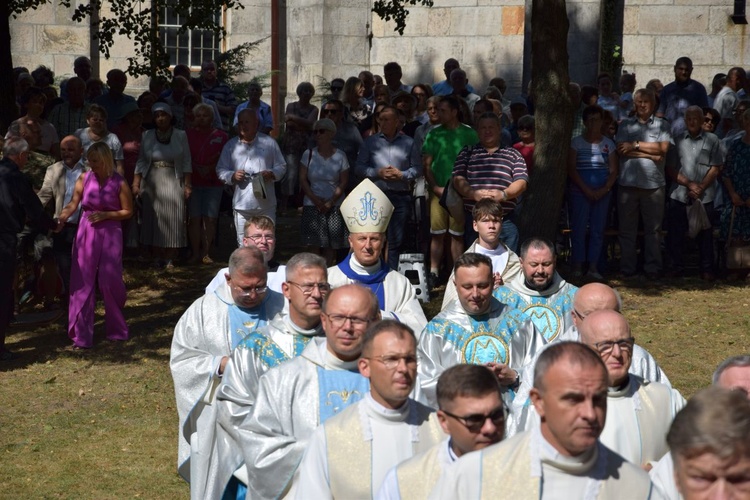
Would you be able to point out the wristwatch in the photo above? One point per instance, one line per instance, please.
(637, 145)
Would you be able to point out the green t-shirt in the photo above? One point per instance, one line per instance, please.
(444, 145)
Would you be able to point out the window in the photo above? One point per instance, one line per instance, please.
(192, 47)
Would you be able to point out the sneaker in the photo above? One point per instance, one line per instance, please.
(169, 265)
(208, 260)
(432, 281)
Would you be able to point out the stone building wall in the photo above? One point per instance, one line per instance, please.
(338, 38)
(657, 32)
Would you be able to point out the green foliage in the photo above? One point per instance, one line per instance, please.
(231, 64)
(133, 19)
(322, 90)
(240, 88)
(396, 11)
(610, 55)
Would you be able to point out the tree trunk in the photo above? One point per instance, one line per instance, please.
(8, 109)
(554, 119)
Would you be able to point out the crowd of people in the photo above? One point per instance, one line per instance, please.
(323, 378)
(310, 381)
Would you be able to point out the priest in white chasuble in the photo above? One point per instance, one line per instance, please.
(562, 458)
(350, 454)
(203, 341)
(539, 291)
(477, 329)
(367, 213)
(472, 415)
(589, 298)
(295, 397)
(283, 338)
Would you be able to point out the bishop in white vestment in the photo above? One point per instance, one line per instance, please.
(367, 212)
(203, 341)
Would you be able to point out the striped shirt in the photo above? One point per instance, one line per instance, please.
(592, 161)
(485, 170)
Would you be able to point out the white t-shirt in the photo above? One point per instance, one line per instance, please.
(323, 173)
(498, 256)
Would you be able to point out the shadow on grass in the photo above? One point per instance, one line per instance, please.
(156, 300)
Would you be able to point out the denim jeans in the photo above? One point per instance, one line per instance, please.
(585, 213)
(402, 207)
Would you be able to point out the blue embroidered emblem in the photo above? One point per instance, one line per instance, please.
(484, 348)
(546, 320)
(268, 351)
(368, 208)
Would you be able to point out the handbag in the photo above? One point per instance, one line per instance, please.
(697, 218)
(259, 187)
(452, 201)
(738, 251)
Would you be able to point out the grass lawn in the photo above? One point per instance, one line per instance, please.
(104, 424)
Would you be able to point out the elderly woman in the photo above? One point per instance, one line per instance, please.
(300, 117)
(97, 251)
(206, 143)
(736, 179)
(323, 174)
(163, 178)
(592, 170)
(96, 118)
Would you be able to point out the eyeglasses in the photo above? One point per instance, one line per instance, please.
(391, 362)
(708, 119)
(605, 348)
(247, 292)
(329, 112)
(319, 131)
(339, 320)
(308, 289)
(260, 237)
(580, 316)
(337, 89)
(474, 423)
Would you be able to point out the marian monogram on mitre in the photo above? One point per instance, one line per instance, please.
(366, 209)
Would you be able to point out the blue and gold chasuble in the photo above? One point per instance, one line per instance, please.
(549, 309)
(502, 335)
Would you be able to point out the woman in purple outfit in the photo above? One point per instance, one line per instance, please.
(97, 252)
